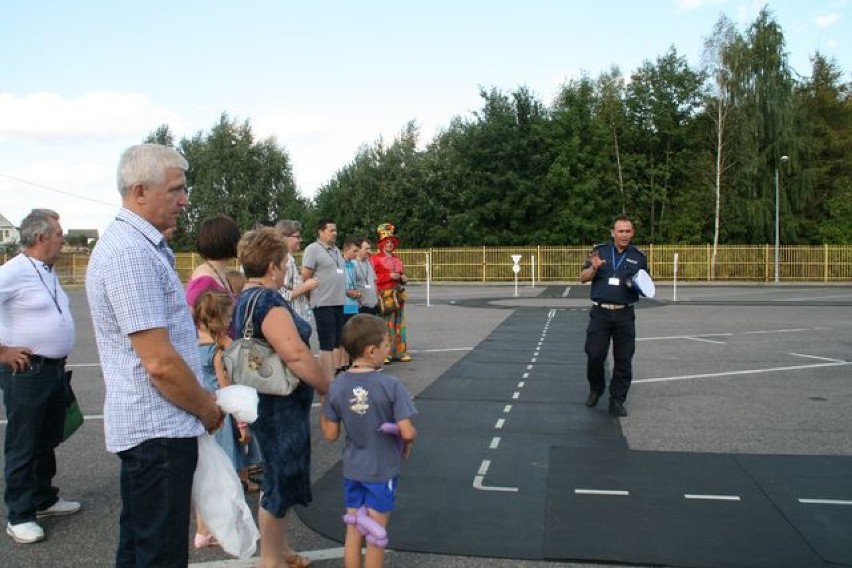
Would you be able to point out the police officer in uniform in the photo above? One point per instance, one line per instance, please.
(611, 268)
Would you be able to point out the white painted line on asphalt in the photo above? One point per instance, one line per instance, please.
(728, 334)
(712, 497)
(816, 357)
(743, 372)
(707, 340)
(483, 467)
(314, 555)
(516, 395)
(85, 417)
(442, 350)
(507, 409)
(500, 423)
(525, 376)
(534, 359)
(495, 441)
(479, 478)
(808, 299)
(566, 292)
(791, 330)
(670, 337)
(824, 502)
(521, 384)
(529, 367)
(616, 492)
(478, 484)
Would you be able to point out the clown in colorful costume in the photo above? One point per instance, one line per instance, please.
(390, 274)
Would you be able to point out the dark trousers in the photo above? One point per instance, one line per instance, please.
(156, 490)
(35, 408)
(618, 326)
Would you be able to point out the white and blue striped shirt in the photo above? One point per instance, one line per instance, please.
(132, 286)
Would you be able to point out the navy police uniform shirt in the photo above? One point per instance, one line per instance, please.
(613, 282)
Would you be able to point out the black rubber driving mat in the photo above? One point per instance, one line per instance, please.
(687, 509)
(510, 463)
(476, 482)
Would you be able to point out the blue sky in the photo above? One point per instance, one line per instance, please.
(80, 81)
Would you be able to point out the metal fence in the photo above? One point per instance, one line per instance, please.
(734, 263)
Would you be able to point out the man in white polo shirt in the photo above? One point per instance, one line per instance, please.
(37, 334)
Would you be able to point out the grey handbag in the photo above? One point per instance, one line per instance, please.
(252, 362)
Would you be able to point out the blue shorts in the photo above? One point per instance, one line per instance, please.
(329, 326)
(378, 496)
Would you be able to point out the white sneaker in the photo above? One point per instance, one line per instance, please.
(60, 508)
(25, 533)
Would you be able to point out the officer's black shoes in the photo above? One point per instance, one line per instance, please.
(616, 408)
(593, 399)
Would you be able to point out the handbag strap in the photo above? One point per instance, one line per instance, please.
(248, 314)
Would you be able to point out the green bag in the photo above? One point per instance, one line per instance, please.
(73, 415)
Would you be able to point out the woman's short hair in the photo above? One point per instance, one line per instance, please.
(362, 331)
(147, 164)
(288, 227)
(258, 248)
(217, 238)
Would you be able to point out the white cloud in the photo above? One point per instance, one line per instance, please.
(96, 114)
(826, 20)
(690, 5)
(321, 144)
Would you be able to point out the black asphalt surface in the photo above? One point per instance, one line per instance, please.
(725, 370)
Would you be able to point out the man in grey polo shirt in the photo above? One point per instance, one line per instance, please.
(155, 406)
(322, 260)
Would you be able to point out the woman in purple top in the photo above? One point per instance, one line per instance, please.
(216, 243)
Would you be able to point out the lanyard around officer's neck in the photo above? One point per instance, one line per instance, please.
(615, 265)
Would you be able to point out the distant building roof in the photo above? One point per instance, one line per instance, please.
(88, 233)
(4, 222)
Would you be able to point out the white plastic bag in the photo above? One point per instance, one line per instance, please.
(219, 499)
(239, 401)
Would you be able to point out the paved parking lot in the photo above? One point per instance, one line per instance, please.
(751, 369)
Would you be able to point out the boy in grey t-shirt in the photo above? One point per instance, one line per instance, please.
(364, 399)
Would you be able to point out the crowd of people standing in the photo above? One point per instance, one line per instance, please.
(161, 346)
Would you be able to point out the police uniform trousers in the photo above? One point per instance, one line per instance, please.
(619, 327)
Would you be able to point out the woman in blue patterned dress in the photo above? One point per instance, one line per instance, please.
(282, 427)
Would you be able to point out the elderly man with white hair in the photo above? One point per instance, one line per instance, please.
(36, 336)
(156, 406)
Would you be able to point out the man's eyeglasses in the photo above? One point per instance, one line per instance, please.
(295, 236)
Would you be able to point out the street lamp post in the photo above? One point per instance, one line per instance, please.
(777, 225)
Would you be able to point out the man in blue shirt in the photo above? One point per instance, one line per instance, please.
(155, 405)
(611, 268)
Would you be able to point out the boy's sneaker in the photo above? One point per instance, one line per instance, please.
(25, 533)
(59, 509)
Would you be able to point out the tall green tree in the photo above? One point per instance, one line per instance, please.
(583, 174)
(763, 94)
(663, 99)
(233, 173)
(824, 103)
(720, 110)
